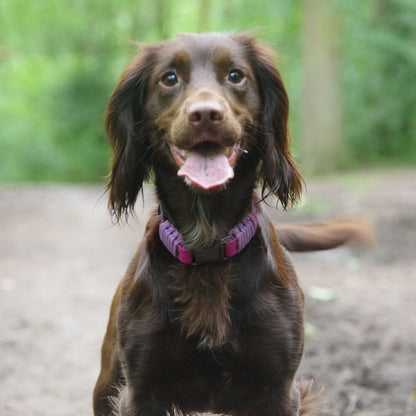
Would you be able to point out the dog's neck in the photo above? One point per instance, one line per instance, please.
(204, 218)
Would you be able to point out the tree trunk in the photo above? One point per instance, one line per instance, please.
(162, 17)
(204, 15)
(322, 142)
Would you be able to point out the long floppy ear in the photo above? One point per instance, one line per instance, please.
(278, 171)
(128, 135)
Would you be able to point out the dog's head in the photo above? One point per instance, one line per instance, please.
(200, 104)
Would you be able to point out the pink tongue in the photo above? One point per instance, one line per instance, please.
(206, 172)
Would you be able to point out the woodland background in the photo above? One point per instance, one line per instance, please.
(349, 67)
(350, 70)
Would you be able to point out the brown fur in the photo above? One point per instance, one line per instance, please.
(203, 303)
(324, 235)
(224, 337)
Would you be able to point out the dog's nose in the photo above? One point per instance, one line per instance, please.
(205, 112)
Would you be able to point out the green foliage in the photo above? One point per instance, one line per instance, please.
(379, 67)
(59, 62)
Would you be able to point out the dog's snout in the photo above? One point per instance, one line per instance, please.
(205, 112)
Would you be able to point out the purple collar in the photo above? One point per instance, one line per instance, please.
(239, 236)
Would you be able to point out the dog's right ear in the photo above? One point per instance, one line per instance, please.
(128, 135)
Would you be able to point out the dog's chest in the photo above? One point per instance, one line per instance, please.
(201, 301)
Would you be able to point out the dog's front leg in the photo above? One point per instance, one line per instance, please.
(110, 379)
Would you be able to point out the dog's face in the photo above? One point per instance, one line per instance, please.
(201, 104)
(203, 100)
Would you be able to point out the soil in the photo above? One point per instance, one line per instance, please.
(61, 260)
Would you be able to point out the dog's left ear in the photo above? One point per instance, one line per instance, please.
(278, 171)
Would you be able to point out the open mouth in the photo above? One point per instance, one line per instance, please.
(207, 165)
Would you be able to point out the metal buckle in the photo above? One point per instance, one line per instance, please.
(211, 254)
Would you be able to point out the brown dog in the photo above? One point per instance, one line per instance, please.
(209, 316)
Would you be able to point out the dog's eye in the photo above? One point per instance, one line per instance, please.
(170, 79)
(235, 76)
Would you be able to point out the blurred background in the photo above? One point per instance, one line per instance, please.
(349, 67)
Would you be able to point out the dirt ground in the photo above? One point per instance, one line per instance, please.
(61, 259)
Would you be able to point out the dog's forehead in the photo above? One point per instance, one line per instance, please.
(201, 49)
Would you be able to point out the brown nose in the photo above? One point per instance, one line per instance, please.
(205, 112)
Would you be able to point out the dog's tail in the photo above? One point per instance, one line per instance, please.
(323, 235)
